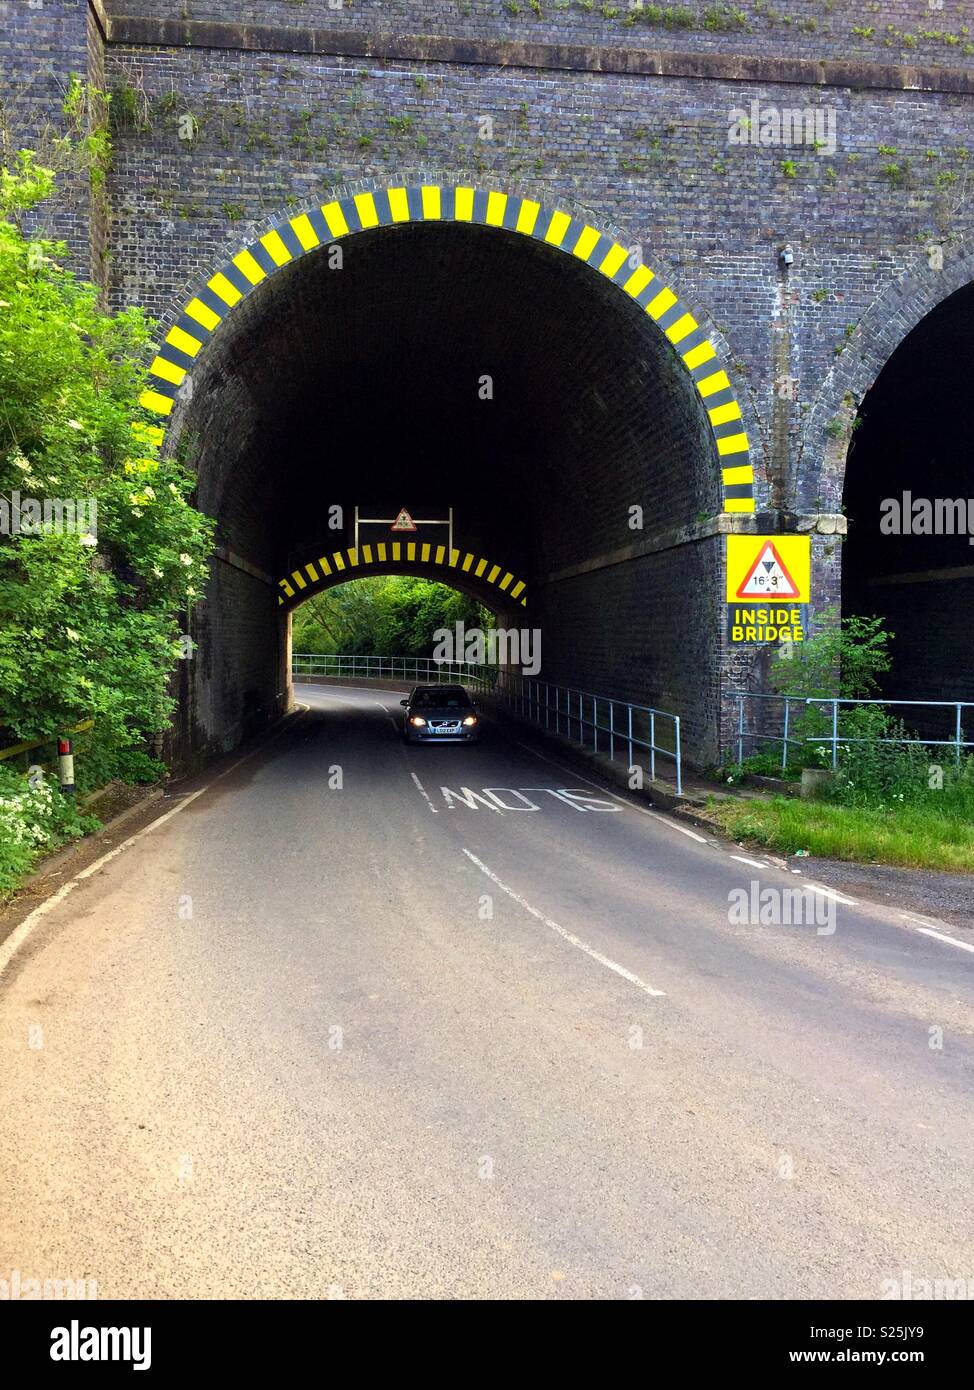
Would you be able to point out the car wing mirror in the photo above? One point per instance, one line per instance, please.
(404, 703)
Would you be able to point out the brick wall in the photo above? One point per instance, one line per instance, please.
(901, 31)
(650, 155)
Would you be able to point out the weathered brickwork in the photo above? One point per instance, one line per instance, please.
(909, 31)
(219, 132)
(40, 47)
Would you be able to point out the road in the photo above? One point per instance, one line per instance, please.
(328, 1031)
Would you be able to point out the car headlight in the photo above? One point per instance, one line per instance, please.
(418, 720)
(470, 719)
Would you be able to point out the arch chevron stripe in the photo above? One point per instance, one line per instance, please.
(340, 566)
(296, 236)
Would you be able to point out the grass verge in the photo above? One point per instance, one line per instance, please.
(916, 837)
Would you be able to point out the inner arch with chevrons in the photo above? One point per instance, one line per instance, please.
(341, 565)
(290, 238)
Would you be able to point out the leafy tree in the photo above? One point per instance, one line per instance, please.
(842, 659)
(388, 615)
(88, 622)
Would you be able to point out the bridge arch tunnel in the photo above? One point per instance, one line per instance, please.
(435, 348)
(909, 496)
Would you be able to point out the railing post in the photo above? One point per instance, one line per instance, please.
(957, 734)
(835, 734)
(652, 745)
(784, 745)
(629, 708)
(679, 762)
(740, 729)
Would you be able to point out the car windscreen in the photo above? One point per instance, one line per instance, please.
(441, 699)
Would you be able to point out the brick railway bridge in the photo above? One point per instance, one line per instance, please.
(574, 271)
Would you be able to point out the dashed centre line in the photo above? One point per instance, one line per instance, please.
(423, 793)
(568, 936)
(964, 945)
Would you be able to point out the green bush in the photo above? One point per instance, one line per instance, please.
(33, 821)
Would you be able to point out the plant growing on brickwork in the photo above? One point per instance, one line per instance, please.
(129, 107)
(79, 149)
(88, 618)
(724, 18)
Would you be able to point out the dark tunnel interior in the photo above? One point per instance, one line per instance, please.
(914, 437)
(365, 383)
(451, 365)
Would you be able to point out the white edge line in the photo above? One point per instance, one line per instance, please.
(929, 931)
(566, 935)
(830, 893)
(752, 862)
(23, 930)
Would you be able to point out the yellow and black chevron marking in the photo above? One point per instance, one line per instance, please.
(342, 565)
(295, 236)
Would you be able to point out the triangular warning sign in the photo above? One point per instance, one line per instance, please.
(768, 577)
(403, 522)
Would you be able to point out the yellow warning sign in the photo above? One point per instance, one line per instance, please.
(769, 568)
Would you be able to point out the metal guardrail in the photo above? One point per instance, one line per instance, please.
(604, 724)
(836, 738)
(405, 668)
(12, 750)
(599, 721)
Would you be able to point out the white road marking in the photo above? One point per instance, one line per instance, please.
(830, 893)
(964, 945)
(566, 935)
(20, 934)
(643, 811)
(752, 862)
(423, 793)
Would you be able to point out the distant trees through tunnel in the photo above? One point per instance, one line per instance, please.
(384, 615)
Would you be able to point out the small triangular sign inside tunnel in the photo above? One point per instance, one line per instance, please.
(768, 577)
(403, 522)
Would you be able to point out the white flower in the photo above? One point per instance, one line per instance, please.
(71, 635)
(137, 511)
(186, 559)
(75, 425)
(157, 571)
(87, 539)
(20, 462)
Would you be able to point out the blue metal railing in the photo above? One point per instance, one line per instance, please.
(836, 738)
